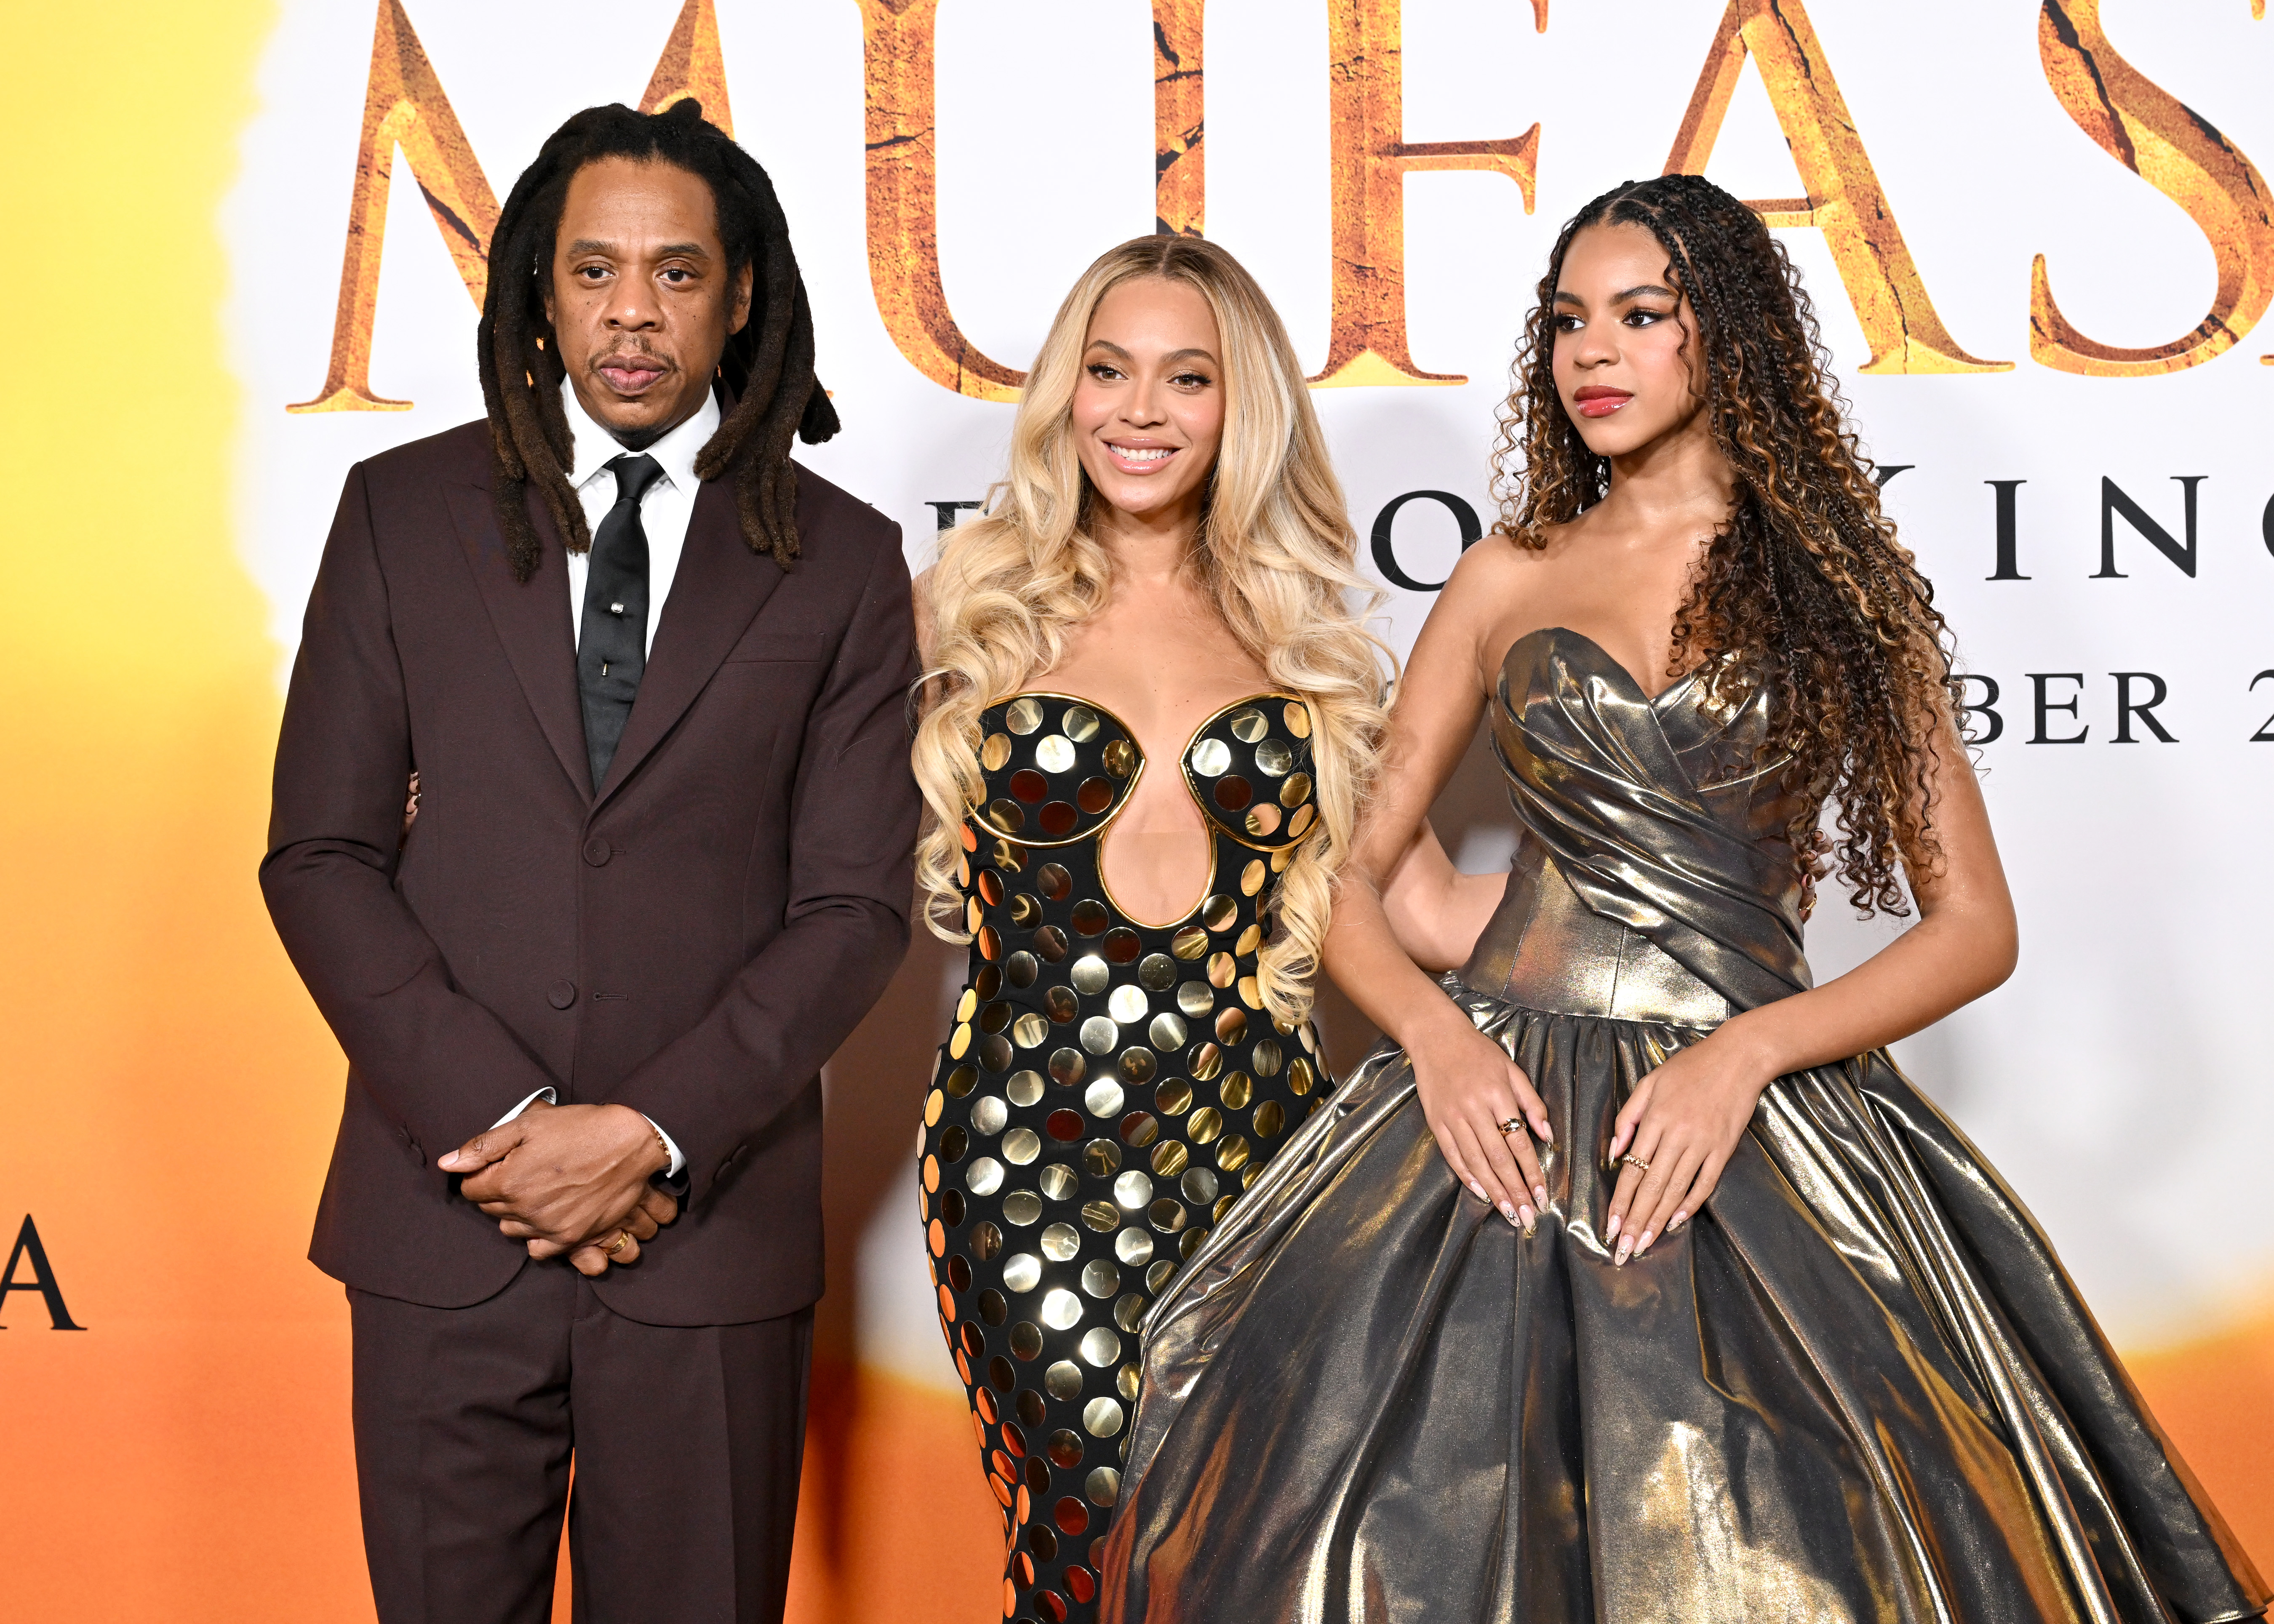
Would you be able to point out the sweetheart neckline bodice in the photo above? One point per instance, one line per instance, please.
(1058, 768)
(1129, 733)
(1659, 815)
(1604, 656)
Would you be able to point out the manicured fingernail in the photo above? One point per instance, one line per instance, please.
(1540, 1194)
(1478, 1190)
(1526, 1213)
(1546, 1133)
(1507, 1211)
(1611, 1229)
(1625, 1247)
(1676, 1221)
(1642, 1244)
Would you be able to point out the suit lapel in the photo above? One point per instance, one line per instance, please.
(720, 586)
(532, 619)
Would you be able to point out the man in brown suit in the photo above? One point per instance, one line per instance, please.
(649, 677)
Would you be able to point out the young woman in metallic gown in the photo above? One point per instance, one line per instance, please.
(1635, 1282)
(1151, 717)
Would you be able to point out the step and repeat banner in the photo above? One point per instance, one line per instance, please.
(2039, 237)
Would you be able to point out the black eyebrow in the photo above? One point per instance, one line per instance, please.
(685, 251)
(1622, 296)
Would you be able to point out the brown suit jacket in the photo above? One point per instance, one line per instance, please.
(693, 942)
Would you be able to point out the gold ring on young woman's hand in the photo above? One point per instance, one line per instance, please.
(1631, 1160)
(1514, 1125)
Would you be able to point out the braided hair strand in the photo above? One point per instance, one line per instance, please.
(1804, 588)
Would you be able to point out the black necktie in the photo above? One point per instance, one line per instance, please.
(612, 644)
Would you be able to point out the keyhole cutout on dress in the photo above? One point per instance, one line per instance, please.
(1157, 856)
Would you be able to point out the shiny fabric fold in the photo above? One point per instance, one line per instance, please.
(1859, 1386)
(1627, 815)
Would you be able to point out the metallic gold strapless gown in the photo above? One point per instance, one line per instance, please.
(1859, 1386)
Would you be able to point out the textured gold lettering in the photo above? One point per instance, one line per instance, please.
(1845, 200)
(1179, 183)
(403, 107)
(898, 75)
(1365, 112)
(692, 64)
(2178, 154)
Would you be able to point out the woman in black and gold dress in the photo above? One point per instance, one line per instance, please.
(1150, 716)
(1756, 1334)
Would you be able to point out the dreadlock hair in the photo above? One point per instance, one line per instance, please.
(1804, 588)
(767, 367)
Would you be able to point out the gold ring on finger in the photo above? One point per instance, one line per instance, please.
(1514, 1125)
(623, 1239)
(1631, 1160)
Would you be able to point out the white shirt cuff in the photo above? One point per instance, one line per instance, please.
(678, 1157)
(545, 1095)
(669, 1144)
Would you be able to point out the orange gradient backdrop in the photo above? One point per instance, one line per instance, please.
(167, 1093)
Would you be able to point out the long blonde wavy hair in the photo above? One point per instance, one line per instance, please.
(1275, 555)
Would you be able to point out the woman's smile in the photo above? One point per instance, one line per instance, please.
(1140, 456)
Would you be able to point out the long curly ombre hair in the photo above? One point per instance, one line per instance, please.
(1275, 555)
(1805, 587)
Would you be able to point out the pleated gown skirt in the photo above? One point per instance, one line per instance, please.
(1857, 1387)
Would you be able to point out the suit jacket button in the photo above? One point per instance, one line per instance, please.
(561, 994)
(597, 852)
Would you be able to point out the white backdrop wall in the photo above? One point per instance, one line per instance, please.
(2119, 1079)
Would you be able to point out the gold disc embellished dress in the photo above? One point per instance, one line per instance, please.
(1857, 1387)
(1108, 1088)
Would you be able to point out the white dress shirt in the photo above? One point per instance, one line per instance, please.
(665, 509)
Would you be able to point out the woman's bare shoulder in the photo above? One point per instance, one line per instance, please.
(1493, 572)
(1503, 588)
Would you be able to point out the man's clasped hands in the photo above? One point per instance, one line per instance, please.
(569, 1179)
